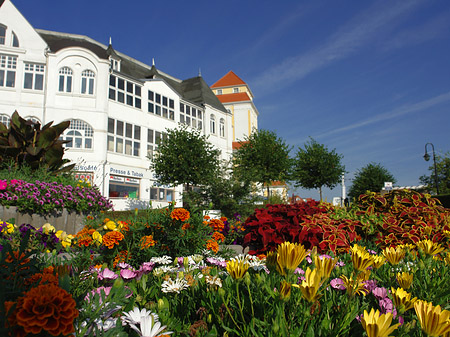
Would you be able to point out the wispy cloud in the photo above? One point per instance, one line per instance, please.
(403, 110)
(346, 41)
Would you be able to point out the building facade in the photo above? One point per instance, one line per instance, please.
(119, 108)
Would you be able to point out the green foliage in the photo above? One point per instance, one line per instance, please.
(443, 173)
(315, 166)
(262, 158)
(370, 178)
(185, 157)
(26, 143)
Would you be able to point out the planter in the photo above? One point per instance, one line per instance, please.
(70, 222)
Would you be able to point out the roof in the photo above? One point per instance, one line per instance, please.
(238, 145)
(1, 2)
(236, 97)
(193, 89)
(229, 80)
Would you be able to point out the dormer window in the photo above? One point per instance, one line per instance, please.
(219, 91)
(15, 40)
(115, 64)
(2, 34)
(235, 90)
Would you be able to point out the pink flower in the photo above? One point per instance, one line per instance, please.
(107, 274)
(3, 185)
(128, 274)
(380, 293)
(337, 283)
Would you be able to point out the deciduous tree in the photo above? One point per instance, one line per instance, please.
(370, 178)
(443, 175)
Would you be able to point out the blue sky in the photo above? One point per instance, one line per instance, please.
(370, 79)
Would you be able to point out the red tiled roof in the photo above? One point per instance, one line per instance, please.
(237, 145)
(237, 97)
(228, 80)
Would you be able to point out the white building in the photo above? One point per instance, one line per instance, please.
(118, 106)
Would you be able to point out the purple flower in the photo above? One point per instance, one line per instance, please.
(146, 267)
(386, 306)
(3, 185)
(107, 274)
(123, 265)
(105, 290)
(380, 292)
(128, 274)
(370, 285)
(337, 283)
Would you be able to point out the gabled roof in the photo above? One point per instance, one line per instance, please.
(236, 97)
(196, 90)
(1, 2)
(229, 80)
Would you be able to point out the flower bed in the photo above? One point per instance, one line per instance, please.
(161, 273)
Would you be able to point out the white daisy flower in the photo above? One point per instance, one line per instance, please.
(163, 270)
(149, 327)
(134, 316)
(161, 259)
(213, 280)
(176, 286)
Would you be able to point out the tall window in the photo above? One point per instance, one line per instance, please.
(79, 134)
(15, 40)
(115, 64)
(154, 138)
(161, 105)
(191, 116)
(124, 137)
(34, 76)
(87, 82)
(212, 124)
(8, 65)
(2, 34)
(5, 120)
(124, 91)
(65, 79)
(222, 127)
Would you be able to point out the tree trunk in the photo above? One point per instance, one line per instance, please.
(268, 193)
(320, 192)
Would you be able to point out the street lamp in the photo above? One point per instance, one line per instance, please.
(427, 158)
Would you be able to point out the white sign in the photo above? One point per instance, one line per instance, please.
(132, 181)
(388, 185)
(116, 178)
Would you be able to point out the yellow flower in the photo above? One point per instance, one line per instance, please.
(310, 285)
(290, 255)
(237, 269)
(273, 264)
(404, 280)
(324, 266)
(377, 325)
(111, 225)
(66, 240)
(433, 320)
(447, 259)
(402, 300)
(97, 237)
(394, 255)
(429, 247)
(47, 228)
(285, 290)
(378, 261)
(9, 228)
(354, 287)
(447, 234)
(361, 258)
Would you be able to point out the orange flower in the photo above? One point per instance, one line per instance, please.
(47, 308)
(206, 217)
(180, 214)
(46, 277)
(212, 245)
(147, 241)
(216, 224)
(223, 219)
(122, 256)
(112, 238)
(186, 226)
(123, 226)
(218, 236)
(84, 237)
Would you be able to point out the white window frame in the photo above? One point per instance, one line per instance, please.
(8, 66)
(5, 119)
(222, 127)
(235, 90)
(35, 73)
(161, 105)
(3, 34)
(65, 79)
(191, 116)
(125, 92)
(87, 82)
(212, 124)
(124, 138)
(80, 132)
(219, 91)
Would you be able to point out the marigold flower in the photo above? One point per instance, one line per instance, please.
(218, 237)
(361, 258)
(111, 239)
(84, 237)
(180, 214)
(433, 320)
(110, 225)
(237, 269)
(429, 247)
(212, 245)
(404, 280)
(223, 218)
(216, 225)
(123, 226)
(290, 255)
(46, 277)
(122, 256)
(310, 285)
(47, 308)
(147, 241)
(402, 300)
(186, 226)
(394, 255)
(377, 325)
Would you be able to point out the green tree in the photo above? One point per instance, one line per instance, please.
(315, 166)
(185, 157)
(443, 175)
(262, 158)
(370, 178)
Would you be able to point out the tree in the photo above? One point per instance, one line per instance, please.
(262, 158)
(315, 166)
(370, 178)
(443, 175)
(185, 157)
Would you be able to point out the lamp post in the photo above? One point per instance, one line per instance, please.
(427, 158)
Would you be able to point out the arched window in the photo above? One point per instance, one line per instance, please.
(212, 124)
(2, 34)
(65, 79)
(79, 134)
(222, 127)
(87, 82)
(15, 40)
(33, 119)
(5, 120)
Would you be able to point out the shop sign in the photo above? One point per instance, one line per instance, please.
(116, 178)
(132, 181)
(122, 172)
